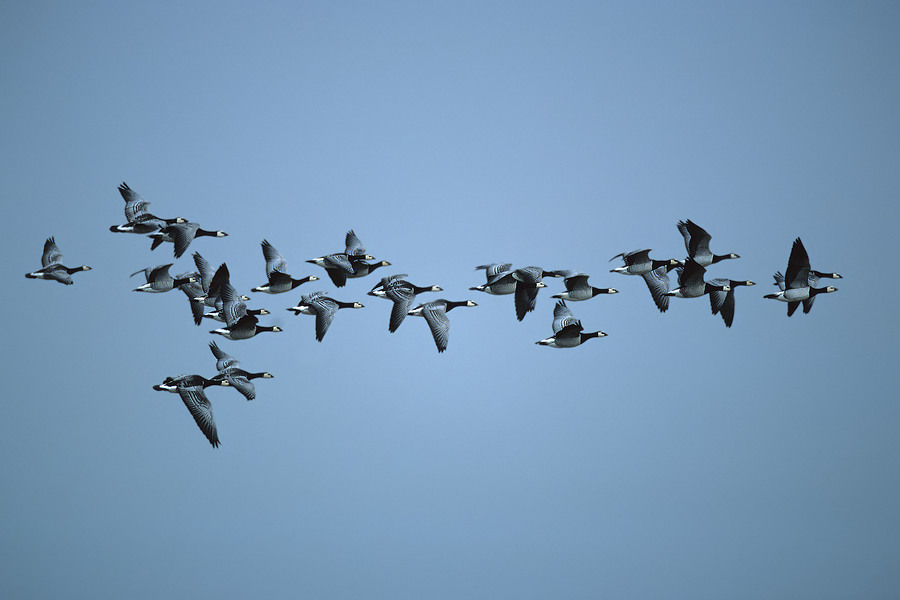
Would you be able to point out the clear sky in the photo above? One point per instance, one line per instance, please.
(674, 458)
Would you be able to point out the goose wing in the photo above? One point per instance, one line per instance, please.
(278, 279)
(58, 273)
(779, 280)
(696, 239)
(808, 304)
(325, 308)
(797, 273)
(198, 404)
(339, 261)
(274, 260)
(525, 299)
(206, 271)
(157, 273)
(403, 297)
(214, 291)
(526, 289)
(182, 235)
(238, 379)
(224, 361)
(575, 280)
(388, 281)
(503, 276)
(436, 316)
(722, 302)
(51, 254)
(691, 274)
(562, 317)
(813, 281)
(337, 275)
(242, 384)
(657, 282)
(569, 336)
(232, 306)
(353, 245)
(135, 206)
(633, 257)
(193, 291)
(494, 269)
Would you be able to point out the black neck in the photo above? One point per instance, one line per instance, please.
(719, 257)
(451, 305)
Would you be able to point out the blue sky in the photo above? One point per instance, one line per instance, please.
(674, 458)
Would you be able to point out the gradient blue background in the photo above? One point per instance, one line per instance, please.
(672, 459)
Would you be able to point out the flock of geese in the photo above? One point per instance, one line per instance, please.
(211, 295)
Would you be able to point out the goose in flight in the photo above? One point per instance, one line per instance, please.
(567, 330)
(435, 314)
(191, 389)
(696, 241)
(52, 267)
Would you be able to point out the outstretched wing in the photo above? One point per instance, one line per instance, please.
(353, 245)
(274, 260)
(206, 271)
(223, 359)
(241, 383)
(525, 299)
(51, 254)
(135, 206)
(193, 291)
(233, 308)
(657, 282)
(325, 308)
(494, 269)
(696, 239)
(439, 323)
(182, 235)
(797, 273)
(160, 271)
(562, 316)
(779, 280)
(339, 261)
(722, 302)
(198, 404)
(403, 298)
